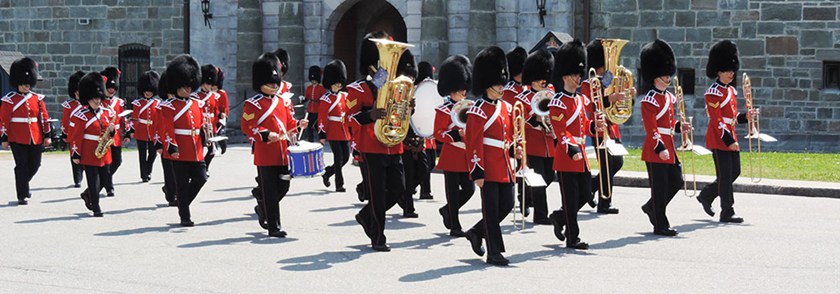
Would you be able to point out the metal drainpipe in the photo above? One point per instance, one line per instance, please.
(587, 10)
(187, 26)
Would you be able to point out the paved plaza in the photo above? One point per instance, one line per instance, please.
(53, 245)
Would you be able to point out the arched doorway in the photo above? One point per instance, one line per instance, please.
(363, 17)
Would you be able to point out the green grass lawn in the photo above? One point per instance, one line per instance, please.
(776, 165)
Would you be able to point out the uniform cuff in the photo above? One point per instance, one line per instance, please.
(659, 147)
(172, 149)
(264, 136)
(477, 174)
(572, 150)
(456, 136)
(742, 118)
(727, 138)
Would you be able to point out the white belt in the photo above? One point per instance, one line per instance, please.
(664, 131)
(186, 132)
(729, 121)
(494, 143)
(578, 140)
(25, 120)
(91, 137)
(144, 121)
(207, 114)
(336, 118)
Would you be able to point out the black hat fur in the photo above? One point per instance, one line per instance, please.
(490, 69)
(335, 72)
(569, 59)
(283, 56)
(148, 82)
(515, 60)
(266, 70)
(406, 67)
(91, 86)
(315, 73)
(210, 74)
(368, 54)
(23, 71)
(113, 76)
(183, 71)
(538, 66)
(221, 82)
(595, 54)
(656, 60)
(73, 83)
(455, 75)
(722, 57)
(163, 87)
(424, 71)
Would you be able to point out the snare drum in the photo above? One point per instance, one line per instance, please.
(306, 160)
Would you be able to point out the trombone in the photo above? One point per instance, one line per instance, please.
(598, 99)
(519, 140)
(754, 133)
(687, 140)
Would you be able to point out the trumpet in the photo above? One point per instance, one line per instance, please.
(687, 140)
(598, 99)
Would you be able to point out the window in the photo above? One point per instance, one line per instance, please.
(134, 61)
(831, 74)
(686, 76)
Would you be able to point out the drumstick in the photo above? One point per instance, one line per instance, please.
(305, 117)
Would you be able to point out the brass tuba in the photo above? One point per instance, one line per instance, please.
(620, 80)
(394, 96)
(459, 113)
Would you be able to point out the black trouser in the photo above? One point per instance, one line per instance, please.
(147, 158)
(537, 195)
(665, 182)
(727, 169)
(222, 143)
(170, 185)
(573, 190)
(416, 168)
(116, 162)
(496, 204)
(385, 181)
(616, 162)
(190, 176)
(211, 152)
(341, 154)
(78, 172)
(274, 184)
(362, 187)
(312, 129)
(27, 161)
(96, 176)
(426, 181)
(459, 190)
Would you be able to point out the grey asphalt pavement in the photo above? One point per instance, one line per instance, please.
(788, 244)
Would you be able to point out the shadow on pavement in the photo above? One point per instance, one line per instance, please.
(649, 236)
(253, 238)
(321, 192)
(130, 210)
(468, 266)
(356, 206)
(10, 204)
(137, 231)
(77, 216)
(233, 189)
(242, 198)
(325, 260)
(53, 188)
(61, 200)
(423, 243)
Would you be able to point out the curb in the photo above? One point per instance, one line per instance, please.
(807, 191)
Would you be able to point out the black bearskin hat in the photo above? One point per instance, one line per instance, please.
(455, 75)
(407, 66)
(113, 76)
(266, 70)
(148, 82)
(368, 54)
(221, 81)
(335, 72)
(73, 83)
(424, 71)
(283, 56)
(490, 69)
(656, 60)
(569, 59)
(183, 71)
(538, 66)
(210, 74)
(163, 87)
(595, 54)
(515, 60)
(315, 73)
(91, 86)
(722, 57)
(23, 71)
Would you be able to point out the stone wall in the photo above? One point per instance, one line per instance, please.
(49, 31)
(782, 46)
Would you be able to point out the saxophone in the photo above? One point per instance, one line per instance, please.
(106, 139)
(394, 96)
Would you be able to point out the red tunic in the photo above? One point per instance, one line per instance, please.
(23, 118)
(223, 104)
(539, 142)
(181, 122)
(586, 90)
(261, 116)
(84, 136)
(68, 108)
(453, 156)
(209, 107)
(159, 136)
(116, 104)
(489, 138)
(142, 119)
(570, 124)
(333, 118)
(313, 95)
(511, 89)
(722, 107)
(360, 99)
(658, 119)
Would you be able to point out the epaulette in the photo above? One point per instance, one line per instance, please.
(326, 98)
(66, 104)
(714, 91)
(446, 107)
(9, 95)
(651, 98)
(357, 85)
(287, 85)
(508, 106)
(255, 100)
(523, 97)
(136, 103)
(476, 109)
(110, 111)
(557, 102)
(167, 103)
(81, 114)
(510, 86)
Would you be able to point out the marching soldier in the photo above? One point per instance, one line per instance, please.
(540, 148)
(181, 120)
(489, 138)
(455, 79)
(223, 105)
(722, 108)
(170, 188)
(116, 104)
(209, 98)
(24, 124)
(414, 158)
(515, 61)
(332, 124)
(269, 125)
(314, 92)
(92, 124)
(571, 126)
(141, 126)
(663, 166)
(425, 71)
(68, 108)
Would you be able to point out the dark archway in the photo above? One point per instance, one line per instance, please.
(361, 18)
(134, 60)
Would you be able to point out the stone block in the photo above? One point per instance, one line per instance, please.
(817, 39)
(61, 48)
(751, 47)
(780, 11)
(620, 5)
(482, 5)
(770, 28)
(824, 113)
(704, 4)
(748, 30)
(828, 54)
(786, 45)
(733, 4)
(745, 15)
(638, 35)
(819, 13)
(685, 18)
(677, 4)
(656, 19)
(506, 34)
(725, 33)
(624, 20)
(650, 4)
(698, 35)
(711, 19)
(459, 21)
(672, 35)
